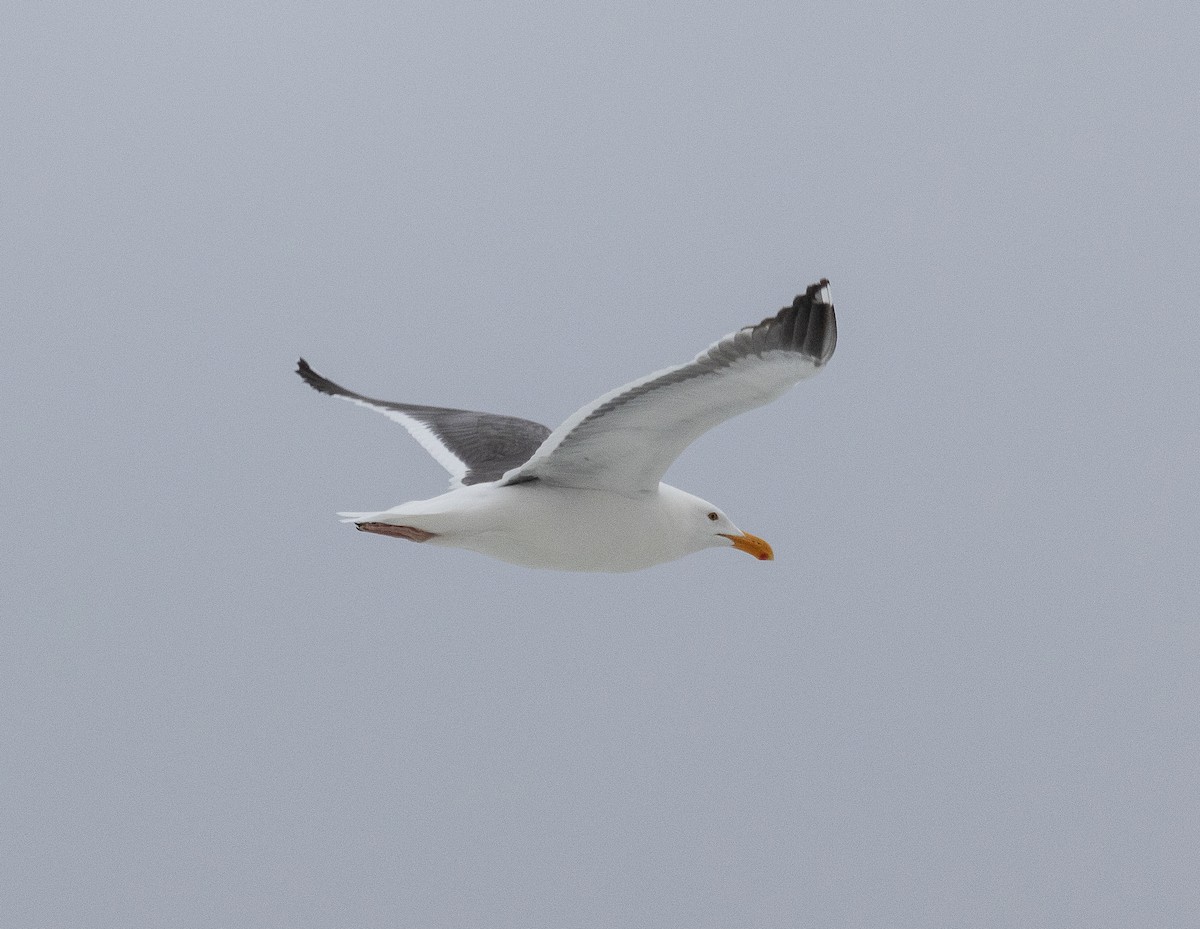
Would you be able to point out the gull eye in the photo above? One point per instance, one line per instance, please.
(713, 516)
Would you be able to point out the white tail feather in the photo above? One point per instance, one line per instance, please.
(358, 517)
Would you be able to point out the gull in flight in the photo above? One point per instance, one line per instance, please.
(588, 496)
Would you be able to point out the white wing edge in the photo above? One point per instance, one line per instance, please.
(427, 438)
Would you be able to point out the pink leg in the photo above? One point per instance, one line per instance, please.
(412, 533)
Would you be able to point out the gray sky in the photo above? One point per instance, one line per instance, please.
(965, 693)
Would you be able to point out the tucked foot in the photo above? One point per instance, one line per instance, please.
(412, 533)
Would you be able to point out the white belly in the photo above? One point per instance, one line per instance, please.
(549, 527)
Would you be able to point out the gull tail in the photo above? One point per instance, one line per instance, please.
(358, 517)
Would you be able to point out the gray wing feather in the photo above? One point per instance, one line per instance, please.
(473, 447)
(625, 440)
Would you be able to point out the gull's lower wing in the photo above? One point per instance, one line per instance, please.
(625, 440)
(473, 447)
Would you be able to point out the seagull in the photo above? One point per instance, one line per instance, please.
(588, 496)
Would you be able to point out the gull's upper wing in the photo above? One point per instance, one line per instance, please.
(625, 440)
(473, 447)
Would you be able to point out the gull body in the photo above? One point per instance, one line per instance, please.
(588, 495)
(540, 526)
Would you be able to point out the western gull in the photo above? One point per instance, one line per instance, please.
(588, 496)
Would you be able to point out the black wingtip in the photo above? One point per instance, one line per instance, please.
(819, 336)
(317, 382)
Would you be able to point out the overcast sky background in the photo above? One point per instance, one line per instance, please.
(965, 693)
